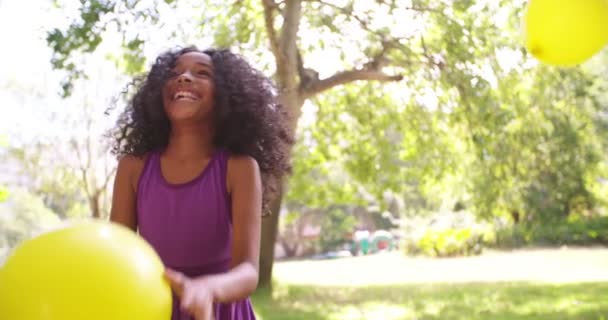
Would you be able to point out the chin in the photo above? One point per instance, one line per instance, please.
(186, 114)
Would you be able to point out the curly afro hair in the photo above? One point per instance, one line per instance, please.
(248, 118)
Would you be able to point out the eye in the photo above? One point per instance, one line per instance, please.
(173, 74)
(203, 73)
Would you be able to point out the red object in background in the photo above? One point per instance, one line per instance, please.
(382, 244)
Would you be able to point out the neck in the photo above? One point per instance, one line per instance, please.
(189, 141)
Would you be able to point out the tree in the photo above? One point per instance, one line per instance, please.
(94, 166)
(530, 130)
(70, 170)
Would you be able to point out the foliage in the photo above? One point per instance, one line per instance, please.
(578, 232)
(530, 145)
(336, 226)
(86, 34)
(22, 216)
(56, 183)
(317, 181)
(451, 242)
(542, 158)
(504, 135)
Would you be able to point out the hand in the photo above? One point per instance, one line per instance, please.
(195, 294)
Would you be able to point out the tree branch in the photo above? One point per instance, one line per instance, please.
(81, 166)
(109, 175)
(432, 61)
(345, 77)
(287, 70)
(307, 76)
(362, 22)
(365, 24)
(410, 8)
(269, 7)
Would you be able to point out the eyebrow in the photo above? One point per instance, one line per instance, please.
(203, 64)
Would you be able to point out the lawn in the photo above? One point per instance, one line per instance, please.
(495, 286)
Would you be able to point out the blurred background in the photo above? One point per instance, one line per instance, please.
(440, 171)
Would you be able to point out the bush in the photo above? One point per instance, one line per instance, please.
(335, 227)
(577, 231)
(446, 234)
(451, 242)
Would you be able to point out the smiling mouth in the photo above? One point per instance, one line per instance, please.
(185, 96)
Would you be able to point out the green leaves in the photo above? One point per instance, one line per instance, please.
(240, 24)
(507, 138)
(83, 34)
(133, 58)
(336, 224)
(317, 181)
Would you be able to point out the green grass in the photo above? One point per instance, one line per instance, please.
(481, 301)
(554, 284)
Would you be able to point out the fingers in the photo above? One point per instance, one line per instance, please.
(195, 299)
(177, 281)
(188, 302)
(201, 309)
(207, 312)
(196, 303)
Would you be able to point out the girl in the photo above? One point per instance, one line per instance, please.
(202, 145)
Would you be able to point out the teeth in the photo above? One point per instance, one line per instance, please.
(184, 94)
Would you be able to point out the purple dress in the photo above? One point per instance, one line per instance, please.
(189, 225)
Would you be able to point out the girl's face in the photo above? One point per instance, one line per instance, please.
(188, 93)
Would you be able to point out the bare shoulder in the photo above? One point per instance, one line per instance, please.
(124, 196)
(130, 167)
(241, 168)
(131, 161)
(242, 162)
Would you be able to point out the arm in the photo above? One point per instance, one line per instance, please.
(245, 187)
(123, 195)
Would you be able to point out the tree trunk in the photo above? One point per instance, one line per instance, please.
(270, 226)
(94, 202)
(292, 100)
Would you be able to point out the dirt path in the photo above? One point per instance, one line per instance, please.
(543, 265)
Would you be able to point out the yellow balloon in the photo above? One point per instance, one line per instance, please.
(93, 271)
(566, 32)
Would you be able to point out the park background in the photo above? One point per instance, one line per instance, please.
(440, 171)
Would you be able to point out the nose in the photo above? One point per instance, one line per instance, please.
(184, 77)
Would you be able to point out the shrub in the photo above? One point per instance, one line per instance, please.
(451, 242)
(577, 231)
